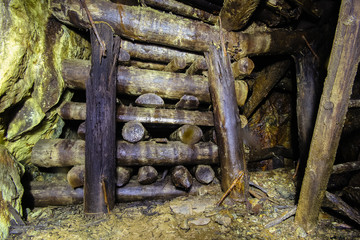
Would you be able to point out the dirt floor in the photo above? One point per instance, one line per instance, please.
(192, 217)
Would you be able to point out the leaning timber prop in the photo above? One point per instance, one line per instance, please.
(77, 111)
(135, 81)
(66, 152)
(342, 68)
(47, 194)
(99, 188)
(146, 25)
(226, 119)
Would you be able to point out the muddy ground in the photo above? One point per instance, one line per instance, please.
(191, 217)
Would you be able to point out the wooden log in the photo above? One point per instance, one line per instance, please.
(354, 104)
(147, 65)
(77, 111)
(156, 53)
(123, 56)
(147, 175)
(207, 5)
(180, 32)
(307, 102)
(149, 100)
(204, 174)
(352, 213)
(81, 131)
(346, 167)
(181, 177)
(188, 134)
(197, 66)
(226, 120)
(49, 194)
(342, 68)
(66, 152)
(133, 132)
(187, 102)
(242, 67)
(123, 175)
(182, 9)
(134, 81)
(99, 188)
(264, 82)
(235, 14)
(175, 65)
(75, 176)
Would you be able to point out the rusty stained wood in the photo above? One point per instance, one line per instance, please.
(66, 152)
(77, 111)
(135, 81)
(152, 26)
(342, 68)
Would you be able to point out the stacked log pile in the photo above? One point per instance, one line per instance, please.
(164, 105)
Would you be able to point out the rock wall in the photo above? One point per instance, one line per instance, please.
(32, 47)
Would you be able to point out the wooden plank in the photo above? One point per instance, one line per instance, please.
(99, 187)
(342, 68)
(226, 119)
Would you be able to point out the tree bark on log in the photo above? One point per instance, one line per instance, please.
(226, 120)
(342, 68)
(147, 175)
(99, 188)
(156, 53)
(188, 134)
(66, 152)
(235, 14)
(46, 194)
(134, 81)
(146, 25)
(77, 111)
(133, 132)
(265, 81)
(307, 102)
(182, 10)
(181, 177)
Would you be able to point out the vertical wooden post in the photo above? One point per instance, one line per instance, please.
(344, 59)
(100, 147)
(226, 119)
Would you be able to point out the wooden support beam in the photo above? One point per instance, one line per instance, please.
(99, 188)
(180, 32)
(77, 111)
(134, 81)
(182, 9)
(235, 14)
(226, 119)
(66, 152)
(265, 81)
(49, 194)
(242, 67)
(342, 68)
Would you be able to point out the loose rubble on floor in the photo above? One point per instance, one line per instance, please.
(192, 217)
